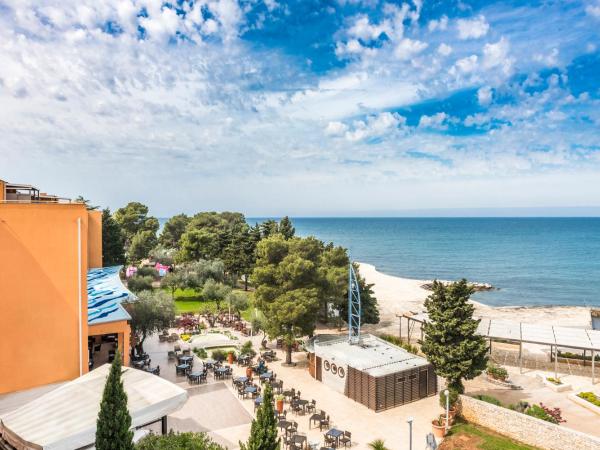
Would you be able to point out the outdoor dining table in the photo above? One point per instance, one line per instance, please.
(139, 364)
(241, 379)
(336, 434)
(284, 424)
(258, 400)
(289, 393)
(185, 359)
(266, 376)
(183, 368)
(316, 417)
(209, 362)
(299, 439)
(195, 376)
(250, 390)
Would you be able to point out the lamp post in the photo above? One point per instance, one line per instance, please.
(409, 422)
(446, 393)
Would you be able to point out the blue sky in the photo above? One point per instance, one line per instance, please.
(304, 107)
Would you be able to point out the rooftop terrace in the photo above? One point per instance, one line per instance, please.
(373, 355)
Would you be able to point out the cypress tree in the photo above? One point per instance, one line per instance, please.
(450, 342)
(114, 422)
(263, 433)
(113, 250)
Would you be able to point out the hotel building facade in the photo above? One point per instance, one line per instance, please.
(56, 299)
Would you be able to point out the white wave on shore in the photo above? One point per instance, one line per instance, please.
(404, 295)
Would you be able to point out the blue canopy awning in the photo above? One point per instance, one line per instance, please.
(106, 292)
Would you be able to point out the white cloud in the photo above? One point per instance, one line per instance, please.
(407, 48)
(364, 29)
(465, 65)
(548, 59)
(484, 95)
(440, 24)
(496, 55)
(593, 10)
(438, 121)
(376, 125)
(336, 128)
(472, 28)
(444, 49)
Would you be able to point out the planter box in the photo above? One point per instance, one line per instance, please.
(555, 387)
(581, 402)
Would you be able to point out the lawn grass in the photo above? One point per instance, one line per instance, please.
(488, 439)
(190, 300)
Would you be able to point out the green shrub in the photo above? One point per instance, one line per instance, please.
(590, 397)
(148, 272)
(177, 441)
(554, 380)
(398, 342)
(570, 355)
(540, 413)
(200, 353)
(218, 355)
(497, 372)
(453, 397)
(247, 349)
(488, 399)
(521, 406)
(138, 284)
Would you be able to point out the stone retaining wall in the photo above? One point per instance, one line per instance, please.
(526, 429)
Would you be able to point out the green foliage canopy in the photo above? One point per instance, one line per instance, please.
(152, 312)
(178, 441)
(113, 241)
(263, 432)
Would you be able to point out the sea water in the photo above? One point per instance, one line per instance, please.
(532, 261)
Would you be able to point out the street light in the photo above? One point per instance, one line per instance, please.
(409, 422)
(446, 393)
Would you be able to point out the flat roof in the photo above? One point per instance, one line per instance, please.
(65, 418)
(106, 292)
(372, 355)
(579, 338)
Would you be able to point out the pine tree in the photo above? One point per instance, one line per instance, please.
(113, 427)
(451, 343)
(286, 228)
(263, 434)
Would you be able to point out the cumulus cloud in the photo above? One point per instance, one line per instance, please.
(497, 56)
(407, 48)
(439, 24)
(484, 95)
(548, 59)
(593, 10)
(444, 49)
(465, 65)
(472, 28)
(438, 121)
(373, 126)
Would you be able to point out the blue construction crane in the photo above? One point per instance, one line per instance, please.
(354, 308)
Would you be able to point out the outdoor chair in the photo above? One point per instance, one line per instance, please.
(330, 441)
(324, 423)
(346, 438)
(171, 354)
(311, 406)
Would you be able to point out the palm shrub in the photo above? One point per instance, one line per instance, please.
(378, 444)
(113, 427)
(178, 441)
(451, 343)
(263, 433)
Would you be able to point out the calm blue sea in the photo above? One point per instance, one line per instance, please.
(534, 261)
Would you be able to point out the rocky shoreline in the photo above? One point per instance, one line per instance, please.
(477, 287)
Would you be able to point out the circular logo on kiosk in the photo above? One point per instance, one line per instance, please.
(327, 365)
(334, 369)
(341, 372)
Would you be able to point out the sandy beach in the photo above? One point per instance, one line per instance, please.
(404, 295)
